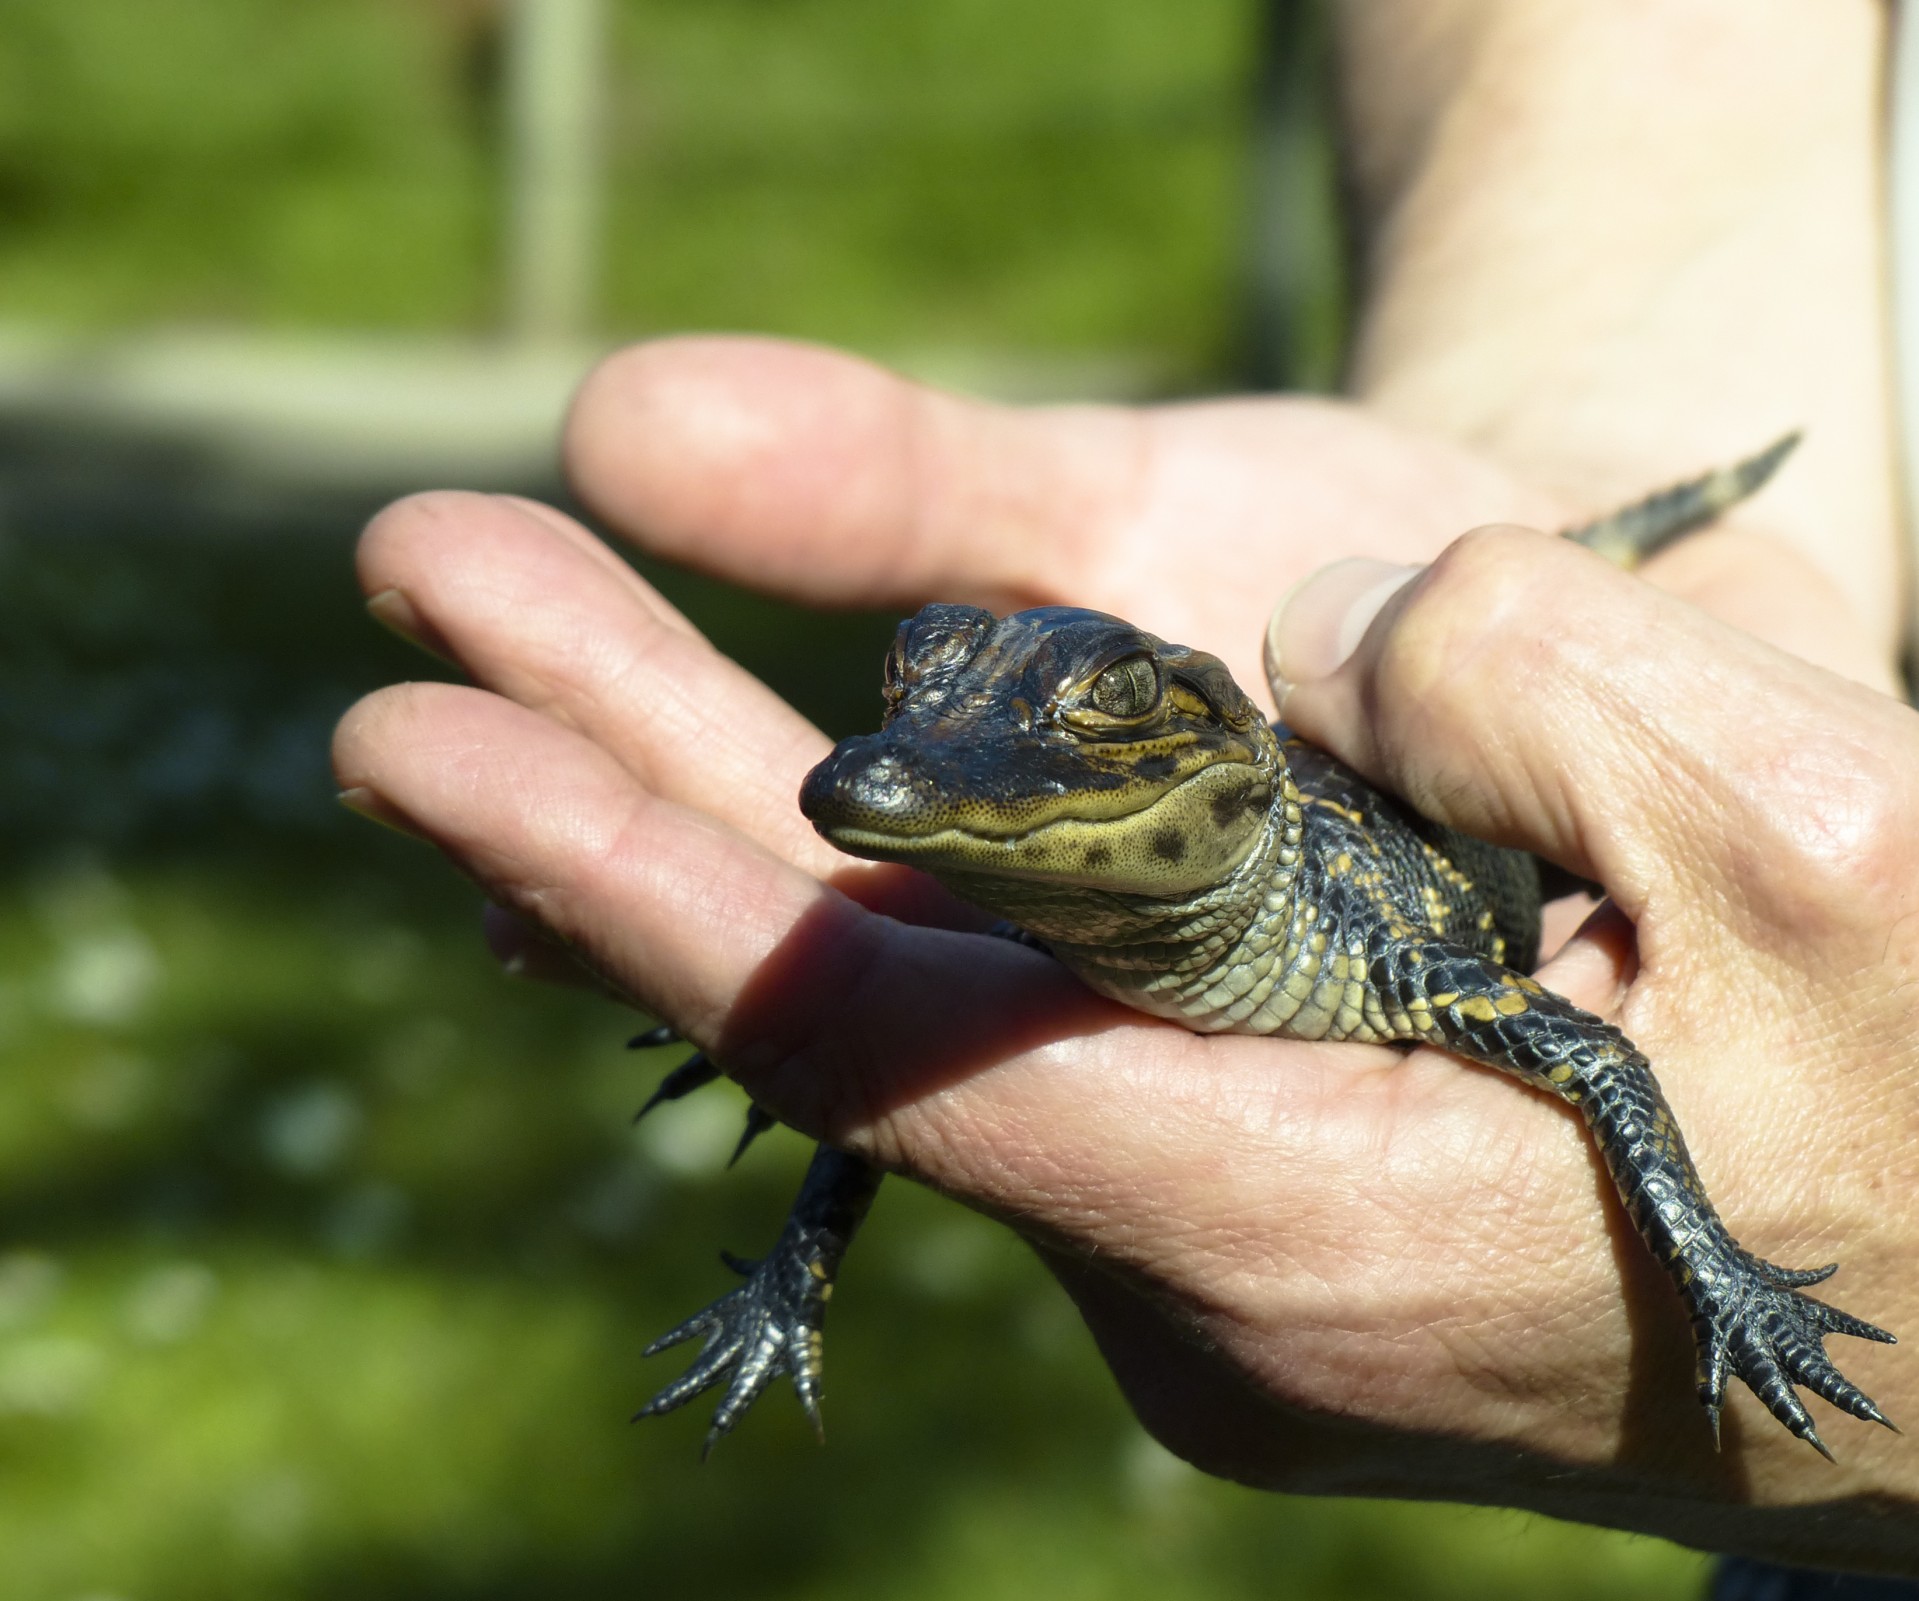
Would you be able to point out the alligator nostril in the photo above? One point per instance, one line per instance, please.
(854, 780)
(883, 785)
(857, 781)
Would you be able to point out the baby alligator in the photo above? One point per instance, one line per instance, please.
(1123, 804)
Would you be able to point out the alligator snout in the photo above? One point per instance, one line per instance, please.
(865, 785)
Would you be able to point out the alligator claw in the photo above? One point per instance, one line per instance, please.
(1773, 1338)
(771, 1324)
(758, 1121)
(662, 1034)
(695, 1072)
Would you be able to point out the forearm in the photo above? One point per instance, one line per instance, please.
(1611, 243)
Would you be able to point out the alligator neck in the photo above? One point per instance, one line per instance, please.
(1099, 932)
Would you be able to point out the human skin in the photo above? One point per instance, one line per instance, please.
(1318, 1268)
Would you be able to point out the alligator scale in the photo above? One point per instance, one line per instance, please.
(1123, 804)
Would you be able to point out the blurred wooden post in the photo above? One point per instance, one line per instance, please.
(555, 101)
(1294, 285)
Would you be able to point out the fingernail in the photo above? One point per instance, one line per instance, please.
(395, 613)
(1320, 621)
(361, 800)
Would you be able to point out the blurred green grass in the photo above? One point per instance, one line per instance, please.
(1058, 177)
(326, 1253)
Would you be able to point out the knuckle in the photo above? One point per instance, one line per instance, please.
(1466, 631)
(1838, 818)
(1460, 620)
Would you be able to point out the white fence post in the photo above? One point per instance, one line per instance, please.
(555, 108)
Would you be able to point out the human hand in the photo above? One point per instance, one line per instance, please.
(1368, 1317)
(1751, 817)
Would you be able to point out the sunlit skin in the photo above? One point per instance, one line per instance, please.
(1407, 1277)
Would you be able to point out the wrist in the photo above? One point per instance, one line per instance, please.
(1612, 245)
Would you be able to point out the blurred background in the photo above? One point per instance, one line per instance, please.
(326, 1253)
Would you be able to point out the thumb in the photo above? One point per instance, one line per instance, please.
(790, 467)
(1523, 690)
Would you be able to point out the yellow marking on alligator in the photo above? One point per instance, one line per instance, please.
(1479, 1008)
(1443, 866)
(1511, 1005)
(1445, 998)
(1561, 1074)
(1355, 818)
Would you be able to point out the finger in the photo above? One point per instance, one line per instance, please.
(1765, 586)
(524, 950)
(536, 609)
(798, 469)
(617, 570)
(973, 1063)
(1521, 689)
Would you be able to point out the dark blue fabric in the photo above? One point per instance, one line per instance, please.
(1741, 1579)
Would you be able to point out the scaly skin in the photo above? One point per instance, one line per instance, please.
(774, 1322)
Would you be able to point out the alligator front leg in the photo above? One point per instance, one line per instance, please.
(774, 1322)
(1748, 1316)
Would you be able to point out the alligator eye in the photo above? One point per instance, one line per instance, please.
(1128, 688)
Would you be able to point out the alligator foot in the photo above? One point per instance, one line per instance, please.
(771, 1324)
(1757, 1325)
(774, 1322)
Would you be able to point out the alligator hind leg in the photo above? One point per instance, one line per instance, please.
(774, 1322)
(1748, 1315)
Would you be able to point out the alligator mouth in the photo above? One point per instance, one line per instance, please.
(866, 797)
(1037, 817)
(878, 845)
(1194, 825)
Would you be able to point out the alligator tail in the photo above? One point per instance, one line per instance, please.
(1628, 536)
